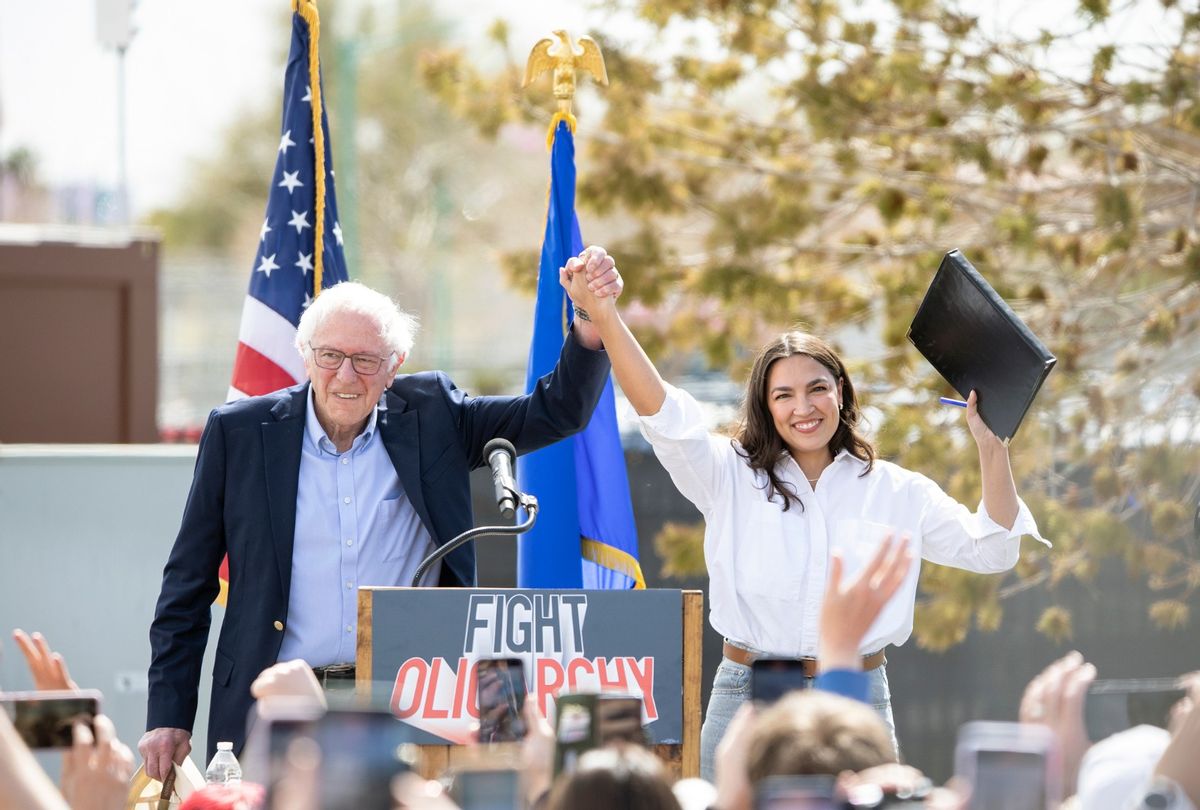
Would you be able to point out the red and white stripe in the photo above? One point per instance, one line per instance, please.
(267, 359)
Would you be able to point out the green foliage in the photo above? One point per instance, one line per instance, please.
(1171, 614)
(682, 547)
(1094, 11)
(21, 164)
(1055, 623)
(809, 164)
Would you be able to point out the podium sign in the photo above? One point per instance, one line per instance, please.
(421, 645)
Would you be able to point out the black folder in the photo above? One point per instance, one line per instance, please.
(974, 339)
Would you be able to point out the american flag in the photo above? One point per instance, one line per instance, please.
(282, 279)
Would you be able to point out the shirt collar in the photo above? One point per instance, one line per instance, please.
(320, 440)
(846, 455)
(843, 456)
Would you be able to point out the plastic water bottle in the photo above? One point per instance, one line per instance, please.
(224, 767)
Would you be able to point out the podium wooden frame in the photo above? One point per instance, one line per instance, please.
(682, 760)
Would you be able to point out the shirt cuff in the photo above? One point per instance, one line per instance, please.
(1024, 524)
(845, 682)
(574, 338)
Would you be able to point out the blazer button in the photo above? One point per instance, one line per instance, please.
(278, 625)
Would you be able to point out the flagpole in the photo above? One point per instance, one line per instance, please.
(122, 148)
(586, 534)
(114, 28)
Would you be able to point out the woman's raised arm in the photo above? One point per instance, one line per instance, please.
(639, 379)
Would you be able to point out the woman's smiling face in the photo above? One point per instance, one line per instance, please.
(804, 399)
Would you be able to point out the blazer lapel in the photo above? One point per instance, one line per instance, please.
(282, 438)
(398, 427)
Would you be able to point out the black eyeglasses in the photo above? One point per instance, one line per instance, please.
(332, 359)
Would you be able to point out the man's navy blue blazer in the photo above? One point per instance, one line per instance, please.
(243, 502)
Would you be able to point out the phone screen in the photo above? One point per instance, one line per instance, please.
(1008, 780)
(619, 719)
(360, 755)
(772, 678)
(45, 719)
(574, 729)
(487, 789)
(1113, 706)
(500, 684)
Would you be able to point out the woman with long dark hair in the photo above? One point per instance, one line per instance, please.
(797, 480)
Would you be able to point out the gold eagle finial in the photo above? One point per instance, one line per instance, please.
(565, 57)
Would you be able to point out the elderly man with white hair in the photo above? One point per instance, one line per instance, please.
(349, 479)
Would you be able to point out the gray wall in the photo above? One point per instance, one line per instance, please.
(84, 533)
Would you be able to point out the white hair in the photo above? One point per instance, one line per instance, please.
(396, 326)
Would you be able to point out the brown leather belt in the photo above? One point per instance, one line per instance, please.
(738, 655)
(335, 672)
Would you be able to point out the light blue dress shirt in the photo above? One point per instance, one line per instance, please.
(354, 527)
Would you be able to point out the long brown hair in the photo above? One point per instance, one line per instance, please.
(761, 444)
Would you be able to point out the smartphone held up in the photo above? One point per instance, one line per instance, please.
(772, 678)
(1115, 705)
(584, 721)
(1008, 766)
(500, 694)
(46, 719)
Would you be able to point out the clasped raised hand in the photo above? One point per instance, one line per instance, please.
(591, 279)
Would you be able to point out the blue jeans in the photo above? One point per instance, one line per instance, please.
(731, 688)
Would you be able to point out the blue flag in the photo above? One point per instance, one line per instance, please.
(585, 534)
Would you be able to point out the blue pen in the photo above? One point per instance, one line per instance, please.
(948, 401)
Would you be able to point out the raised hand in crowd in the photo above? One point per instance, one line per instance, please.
(23, 783)
(97, 768)
(1055, 698)
(291, 680)
(734, 791)
(850, 608)
(48, 668)
(413, 792)
(537, 753)
(1180, 759)
(903, 782)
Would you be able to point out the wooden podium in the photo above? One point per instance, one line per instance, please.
(399, 638)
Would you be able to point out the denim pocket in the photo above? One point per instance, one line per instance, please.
(732, 679)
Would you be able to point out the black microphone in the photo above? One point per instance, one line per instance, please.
(500, 454)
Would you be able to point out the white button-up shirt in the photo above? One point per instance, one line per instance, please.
(767, 567)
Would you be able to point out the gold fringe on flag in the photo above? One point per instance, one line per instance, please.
(307, 9)
(613, 559)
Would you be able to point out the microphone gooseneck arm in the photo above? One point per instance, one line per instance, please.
(527, 502)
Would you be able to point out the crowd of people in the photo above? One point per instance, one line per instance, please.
(830, 730)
